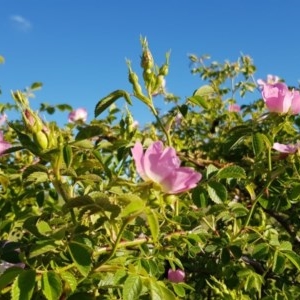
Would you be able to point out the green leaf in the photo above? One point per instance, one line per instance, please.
(279, 261)
(217, 192)
(153, 224)
(159, 291)
(231, 172)
(70, 280)
(179, 290)
(81, 256)
(105, 102)
(204, 91)
(258, 143)
(133, 207)
(132, 287)
(199, 101)
(260, 250)
(8, 276)
(88, 132)
(68, 155)
(23, 286)
(292, 257)
(2, 60)
(42, 247)
(36, 85)
(51, 285)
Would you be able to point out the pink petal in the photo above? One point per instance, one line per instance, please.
(295, 107)
(79, 114)
(159, 162)
(180, 180)
(176, 276)
(138, 156)
(277, 97)
(3, 144)
(285, 148)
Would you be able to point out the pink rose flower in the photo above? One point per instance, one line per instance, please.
(162, 166)
(176, 276)
(3, 119)
(79, 114)
(271, 79)
(286, 148)
(280, 99)
(3, 144)
(234, 108)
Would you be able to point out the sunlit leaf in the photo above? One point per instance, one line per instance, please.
(132, 287)
(81, 256)
(107, 101)
(51, 285)
(23, 286)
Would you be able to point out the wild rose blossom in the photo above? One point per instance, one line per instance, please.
(162, 166)
(3, 119)
(286, 148)
(176, 276)
(279, 98)
(234, 108)
(79, 114)
(4, 145)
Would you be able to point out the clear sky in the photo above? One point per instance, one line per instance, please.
(77, 49)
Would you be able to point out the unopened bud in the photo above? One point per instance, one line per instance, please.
(164, 70)
(41, 139)
(147, 60)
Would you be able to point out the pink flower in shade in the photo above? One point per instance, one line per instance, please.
(162, 166)
(3, 144)
(286, 148)
(176, 276)
(280, 99)
(79, 114)
(234, 108)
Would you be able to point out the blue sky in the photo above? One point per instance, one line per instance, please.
(77, 49)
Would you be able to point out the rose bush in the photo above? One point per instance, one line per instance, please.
(200, 204)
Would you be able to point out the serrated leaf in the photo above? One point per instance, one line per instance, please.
(292, 257)
(70, 280)
(153, 224)
(36, 85)
(67, 155)
(8, 276)
(285, 245)
(81, 256)
(258, 143)
(204, 91)
(23, 286)
(179, 290)
(105, 102)
(260, 250)
(51, 285)
(41, 248)
(217, 192)
(278, 262)
(231, 172)
(133, 207)
(132, 287)
(199, 101)
(37, 177)
(88, 132)
(43, 227)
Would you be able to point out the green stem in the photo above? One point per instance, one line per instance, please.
(161, 125)
(255, 202)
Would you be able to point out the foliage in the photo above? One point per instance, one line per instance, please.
(84, 225)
